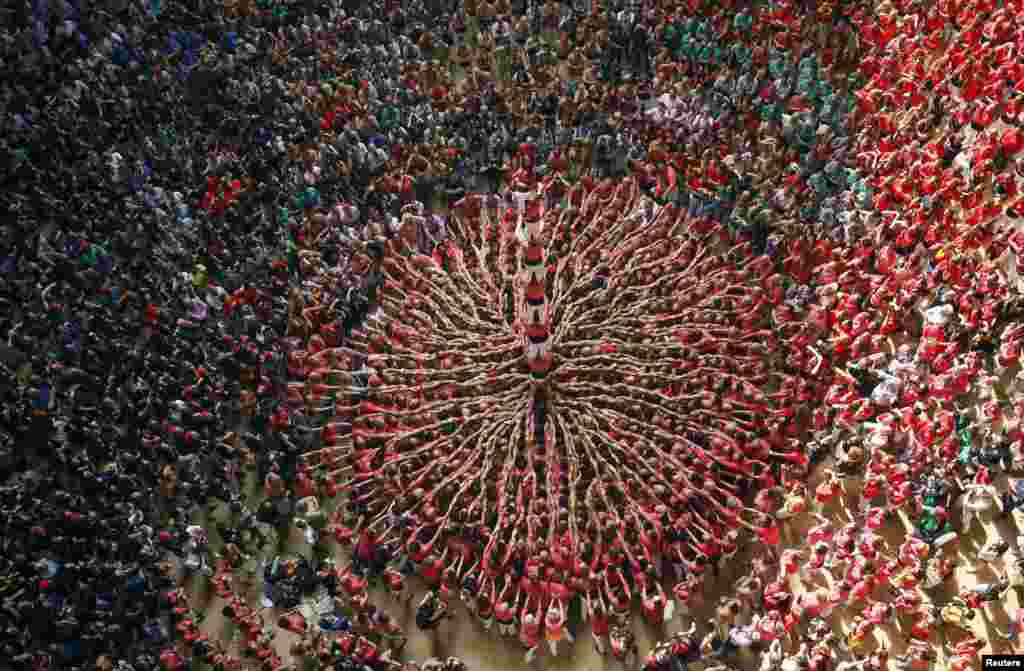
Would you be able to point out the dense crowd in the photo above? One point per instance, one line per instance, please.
(558, 309)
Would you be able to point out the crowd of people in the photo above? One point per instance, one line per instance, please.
(558, 309)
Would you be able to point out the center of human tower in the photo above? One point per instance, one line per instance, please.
(535, 319)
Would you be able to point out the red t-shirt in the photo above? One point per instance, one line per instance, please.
(432, 572)
(422, 554)
(533, 588)
(559, 590)
(770, 535)
(367, 546)
(503, 612)
(654, 609)
(353, 584)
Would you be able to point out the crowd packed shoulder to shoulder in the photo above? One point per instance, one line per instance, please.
(204, 205)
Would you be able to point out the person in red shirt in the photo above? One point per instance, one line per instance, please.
(367, 652)
(355, 586)
(485, 606)
(529, 634)
(366, 547)
(599, 623)
(532, 586)
(653, 603)
(505, 612)
(432, 568)
(559, 589)
(618, 593)
(396, 586)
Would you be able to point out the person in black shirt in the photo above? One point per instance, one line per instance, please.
(431, 611)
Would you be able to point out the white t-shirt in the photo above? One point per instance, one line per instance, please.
(939, 315)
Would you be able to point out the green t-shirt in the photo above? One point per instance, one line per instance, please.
(818, 182)
(771, 111)
(688, 47)
(828, 108)
(707, 53)
(671, 36)
(389, 117)
(805, 85)
(807, 134)
(92, 254)
(865, 193)
(741, 53)
(929, 524)
(727, 192)
(777, 66)
(293, 256)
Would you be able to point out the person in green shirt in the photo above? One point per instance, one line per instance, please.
(671, 37)
(772, 111)
(687, 48)
(293, 256)
(715, 55)
(742, 55)
(809, 212)
(389, 117)
(743, 22)
(728, 192)
(865, 194)
(807, 134)
(818, 182)
(806, 85)
(702, 29)
(92, 254)
(778, 64)
(827, 110)
(705, 53)
(809, 64)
